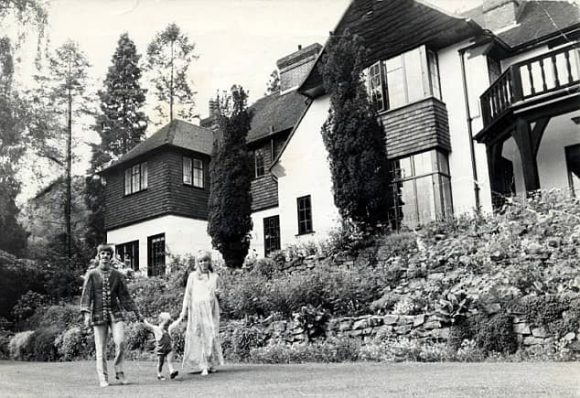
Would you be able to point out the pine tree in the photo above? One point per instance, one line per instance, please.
(354, 138)
(169, 56)
(121, 126)
(230, 201)
(273, 85)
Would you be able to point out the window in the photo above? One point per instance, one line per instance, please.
(193, 172)
(421, 188)
(403, 79)
(377, 86)
(129, 254)
(136, 178)
(304, 215)
(271, 234)
(259, 162)
(573, 166)
(156, 255)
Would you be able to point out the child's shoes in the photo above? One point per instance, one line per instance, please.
(173, 374)
(121, 377)
(162, 378)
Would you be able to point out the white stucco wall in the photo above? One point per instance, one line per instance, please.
(303, 170)
(560, 132)
(182, 236)
(257, 233)
(460, 165)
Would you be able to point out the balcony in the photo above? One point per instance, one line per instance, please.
(540, 79)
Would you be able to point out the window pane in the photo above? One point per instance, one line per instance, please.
(434, 74)
(397, 90)
(144, 175)
(425, 200)
(423, 163)
(304, 215)
(198, 173)
(136, 175)
(443, 163)
(376, 85)
(127, 181)
(414, 76)
(406, 169)
(408, 204)
(259, 162)
(187, 170)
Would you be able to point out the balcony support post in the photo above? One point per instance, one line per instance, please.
(494, 150)
(525, 141)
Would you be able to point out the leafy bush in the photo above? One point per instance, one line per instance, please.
(240, 338)
(496, 334)
(20, 345)
(27, 305)
(60, 316)
(313, 320)
(44, 347)
(154, 295)
(4, 345)
(138, 337)
(332, 350)
(545, 310)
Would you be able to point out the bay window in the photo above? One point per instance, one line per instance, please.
(422, 189)
(406, 78)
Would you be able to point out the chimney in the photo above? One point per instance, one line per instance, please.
(499, 14)
(213, 107)
(295, 67)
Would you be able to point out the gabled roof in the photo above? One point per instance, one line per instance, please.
(178, 134)
(275, 113)
(536, 20)
(391, 27)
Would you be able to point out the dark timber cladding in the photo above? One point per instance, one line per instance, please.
(416, 127)
(391, 27)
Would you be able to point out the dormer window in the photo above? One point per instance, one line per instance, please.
(136, 178)
(193, 172)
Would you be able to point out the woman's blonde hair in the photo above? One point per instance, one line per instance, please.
(201, 255)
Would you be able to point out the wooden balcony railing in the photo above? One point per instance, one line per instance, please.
(533, 77)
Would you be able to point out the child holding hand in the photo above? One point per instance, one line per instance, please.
(163, 343)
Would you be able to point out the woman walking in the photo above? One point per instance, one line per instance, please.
(200, 305)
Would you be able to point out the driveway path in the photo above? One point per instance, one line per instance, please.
(78, 379)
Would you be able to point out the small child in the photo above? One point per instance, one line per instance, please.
(163, 344)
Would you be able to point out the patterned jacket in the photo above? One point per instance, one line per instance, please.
(105, 292)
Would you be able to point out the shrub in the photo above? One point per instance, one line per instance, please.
(545, 310)
(44, 347)
(240, 338)
(469, 352)
(332, 350)
(313, 320)
(496, 334)
(20, 345)
(70, 343)
(4, 345)
(59, 316)
(27, 305)
(138, 337)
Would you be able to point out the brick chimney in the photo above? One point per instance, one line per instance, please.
(498, 14)
(294, 68)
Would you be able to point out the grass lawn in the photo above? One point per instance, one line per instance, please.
(78, 379)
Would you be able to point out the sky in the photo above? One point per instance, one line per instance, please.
(237, 41)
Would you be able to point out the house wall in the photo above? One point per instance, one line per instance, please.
(165, 191)
(182, 236)
(460, 163)
(560, 132)
(257, 243)
(303, 170)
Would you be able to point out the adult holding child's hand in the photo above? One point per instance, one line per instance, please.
(201, 308)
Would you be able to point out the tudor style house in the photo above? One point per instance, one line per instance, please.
(505, 73)
(157, 195)
(475, 107)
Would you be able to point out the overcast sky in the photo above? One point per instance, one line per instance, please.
(238, 42)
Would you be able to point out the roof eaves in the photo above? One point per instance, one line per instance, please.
(277, 158)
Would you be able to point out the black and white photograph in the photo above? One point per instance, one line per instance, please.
(290, 198)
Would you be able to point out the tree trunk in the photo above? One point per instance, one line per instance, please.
(68, 199)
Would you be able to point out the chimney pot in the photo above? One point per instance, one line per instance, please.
(299, 47)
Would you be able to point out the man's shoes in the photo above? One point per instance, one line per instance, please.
(104, 384)
(212, 369)
(173, 374)
(159, 377)
(121, 377)
(204, 372)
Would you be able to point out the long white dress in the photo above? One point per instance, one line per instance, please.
(202, 344)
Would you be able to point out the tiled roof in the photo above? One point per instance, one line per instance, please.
(537, 19)
(178, 134)
(275, 113)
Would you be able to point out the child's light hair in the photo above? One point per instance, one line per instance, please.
(164, 317)
(204, 254)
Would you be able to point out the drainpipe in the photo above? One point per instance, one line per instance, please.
(469, 119)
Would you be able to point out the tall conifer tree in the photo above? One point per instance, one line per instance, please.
(230, 201)
(354, 138)
(121, 126)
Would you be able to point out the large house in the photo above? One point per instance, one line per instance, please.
(506, 73)
(475, 107)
